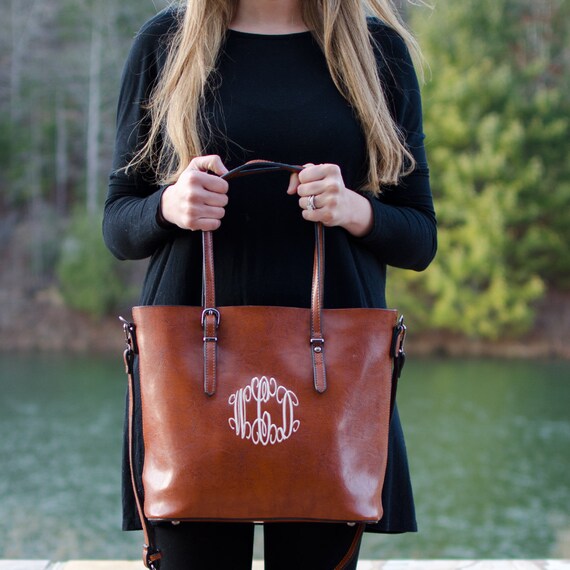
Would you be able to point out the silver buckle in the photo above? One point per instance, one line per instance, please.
(214, 312)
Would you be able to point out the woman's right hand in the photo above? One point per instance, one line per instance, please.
(197, 200)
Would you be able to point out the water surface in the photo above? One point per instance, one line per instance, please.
(489, 447)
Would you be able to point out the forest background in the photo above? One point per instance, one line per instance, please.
(497, 119)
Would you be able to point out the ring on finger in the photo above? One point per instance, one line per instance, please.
(311, 203)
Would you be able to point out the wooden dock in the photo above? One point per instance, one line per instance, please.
(258, 565)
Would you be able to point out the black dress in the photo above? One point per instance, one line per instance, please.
(274, 99)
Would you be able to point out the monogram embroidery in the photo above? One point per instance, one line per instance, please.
(259, 394)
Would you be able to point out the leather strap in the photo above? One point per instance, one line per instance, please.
(259, 166)
(211, 316)
(151, 555)
(398, 355)
(317, 293)
(348, 557)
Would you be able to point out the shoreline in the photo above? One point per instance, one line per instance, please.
(42, 323)
(552, 564)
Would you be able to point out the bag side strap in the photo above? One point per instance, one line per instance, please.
(151, 554)
(398, 356)
(348, 557)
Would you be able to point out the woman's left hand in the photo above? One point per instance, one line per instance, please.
(324, 198)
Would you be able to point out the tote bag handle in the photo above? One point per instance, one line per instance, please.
(211, 317)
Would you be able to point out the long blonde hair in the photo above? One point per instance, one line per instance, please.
(340, 29)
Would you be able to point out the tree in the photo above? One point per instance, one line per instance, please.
(59, 83)
(496, 115)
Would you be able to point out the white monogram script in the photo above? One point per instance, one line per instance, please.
(262, 430)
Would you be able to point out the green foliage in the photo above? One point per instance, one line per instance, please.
(497, 116)
(90, 278)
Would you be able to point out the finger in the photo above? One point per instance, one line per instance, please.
(212, 213)
(210, 182)
(215, 199)
(320, 172)
(310, 180)
(293, 183)
(202, 218)
(208, 225)
(323, 215)
(311, 172)
(210, 163)
(203, 203)
(216, 165)
(310, 188)
(311, 216)
(216, 184)
(305, 202)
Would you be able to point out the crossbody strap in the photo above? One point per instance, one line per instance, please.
(151, 554)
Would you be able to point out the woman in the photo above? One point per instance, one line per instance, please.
(215, 83)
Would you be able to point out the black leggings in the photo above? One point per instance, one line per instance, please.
(229, 546)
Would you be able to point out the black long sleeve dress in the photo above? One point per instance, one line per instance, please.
(273, 98)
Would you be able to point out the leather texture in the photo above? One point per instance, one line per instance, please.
(244, 418)
(197, 464)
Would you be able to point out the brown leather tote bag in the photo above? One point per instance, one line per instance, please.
(262, 413)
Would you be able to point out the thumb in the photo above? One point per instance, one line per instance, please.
(293, 183)
(210, 163)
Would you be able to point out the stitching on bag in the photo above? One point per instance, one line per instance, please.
(214, 363)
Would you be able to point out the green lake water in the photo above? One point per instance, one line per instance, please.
(488, 442)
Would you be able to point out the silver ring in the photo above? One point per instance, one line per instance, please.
(311, 203)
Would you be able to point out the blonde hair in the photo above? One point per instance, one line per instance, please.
(341, 30)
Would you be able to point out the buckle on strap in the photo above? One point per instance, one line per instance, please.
(317, 344)
(215, 313)
(130, 335)
(398, 338)
(397, 349)
(151, 557)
